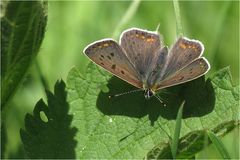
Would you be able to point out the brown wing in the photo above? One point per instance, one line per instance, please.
(109, 55)
(140, 46)
(192, 71)
(183, 52)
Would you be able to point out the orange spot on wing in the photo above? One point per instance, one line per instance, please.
(105, 44)
(150, 40)
(143, 37)
(183, 46)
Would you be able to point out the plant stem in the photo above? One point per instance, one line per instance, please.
(178, 17)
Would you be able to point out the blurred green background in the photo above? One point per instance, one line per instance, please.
(74, 24)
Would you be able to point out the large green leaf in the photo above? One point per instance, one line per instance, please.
(130, 126)
(22, 30)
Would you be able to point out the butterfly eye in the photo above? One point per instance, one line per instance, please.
(148, 94)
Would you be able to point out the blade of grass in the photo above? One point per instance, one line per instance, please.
(178, 18)
(205, 151)
(126, 17)
(174, 144)
(219, 145)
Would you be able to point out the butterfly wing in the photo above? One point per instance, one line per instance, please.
(140, 46)
(190, 72)
(158, 68)
(109, 55)
(183, 52)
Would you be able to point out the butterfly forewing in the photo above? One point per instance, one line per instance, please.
(192, 71)
(109, 55)
(183, 52)
(140, 47)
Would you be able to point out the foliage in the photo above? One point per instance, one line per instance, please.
(22, 31)
(130, 126)
(51, 137)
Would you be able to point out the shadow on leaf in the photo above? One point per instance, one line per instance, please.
(198, 94)
(47, 132)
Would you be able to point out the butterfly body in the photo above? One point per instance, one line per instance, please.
(141, 60)
(148, 93)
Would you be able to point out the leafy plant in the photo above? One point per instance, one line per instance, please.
(22, 30)
(48, 133)
(129, 126)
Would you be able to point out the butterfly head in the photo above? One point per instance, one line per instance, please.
(149, 93)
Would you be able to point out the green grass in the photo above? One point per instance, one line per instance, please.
(177, 131)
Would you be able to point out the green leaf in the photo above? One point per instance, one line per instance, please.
(129, 126)
(219, 145)
(47, 132)
(132, 127)
(174, 144)
(22, 30)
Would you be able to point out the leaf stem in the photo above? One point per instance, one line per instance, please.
(178, 18)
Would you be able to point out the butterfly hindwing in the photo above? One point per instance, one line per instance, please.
(190, 72)
(109, 55)
(183, 52)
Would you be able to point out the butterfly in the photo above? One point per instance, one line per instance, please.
(141, 59)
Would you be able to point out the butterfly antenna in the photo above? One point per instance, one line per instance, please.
(120, 94)
(160, 100)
